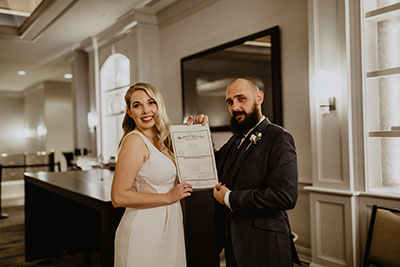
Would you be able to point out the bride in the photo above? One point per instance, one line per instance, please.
(151, 230)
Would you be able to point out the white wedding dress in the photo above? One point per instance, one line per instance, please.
(152, 236)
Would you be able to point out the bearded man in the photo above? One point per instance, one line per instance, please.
(257, 168)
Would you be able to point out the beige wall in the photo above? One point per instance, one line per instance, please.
(34, 115)
(12, 122)
(58, 117)
(49, 104)
(227, 20)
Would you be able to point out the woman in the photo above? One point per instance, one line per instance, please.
(151, 230)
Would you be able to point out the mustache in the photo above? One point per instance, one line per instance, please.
(237, 113)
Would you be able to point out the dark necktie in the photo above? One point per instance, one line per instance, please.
(235, 146)
(237, 141)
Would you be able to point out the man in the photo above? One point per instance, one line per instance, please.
(258, 172)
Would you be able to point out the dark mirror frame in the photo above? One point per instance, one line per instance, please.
(276, 84)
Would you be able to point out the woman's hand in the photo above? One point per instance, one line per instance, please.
(180, 191)
(198, 119)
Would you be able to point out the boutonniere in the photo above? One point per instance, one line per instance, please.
(254, 138)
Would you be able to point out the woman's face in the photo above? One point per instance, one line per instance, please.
(142, 110)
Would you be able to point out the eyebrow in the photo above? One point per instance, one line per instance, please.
(235, 96)
(148, 100)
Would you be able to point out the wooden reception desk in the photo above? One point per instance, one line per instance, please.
(70, 212)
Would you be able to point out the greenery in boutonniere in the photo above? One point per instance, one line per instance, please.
(254, 138)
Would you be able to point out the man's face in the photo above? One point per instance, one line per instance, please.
(244, 103)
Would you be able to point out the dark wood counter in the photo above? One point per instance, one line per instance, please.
(69, 212)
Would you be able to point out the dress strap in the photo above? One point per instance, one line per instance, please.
(144, 138)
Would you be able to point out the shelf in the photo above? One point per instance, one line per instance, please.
(383, 13)
(383, 73)
(390, 133)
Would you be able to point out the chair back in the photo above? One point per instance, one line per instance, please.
(383, 241)
(69, 157)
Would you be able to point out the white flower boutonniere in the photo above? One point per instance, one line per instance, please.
(254, 138)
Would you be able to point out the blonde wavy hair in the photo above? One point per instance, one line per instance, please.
(162, 125)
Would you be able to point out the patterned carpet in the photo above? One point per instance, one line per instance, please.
(12, 245)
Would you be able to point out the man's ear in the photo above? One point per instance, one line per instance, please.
(260, 97)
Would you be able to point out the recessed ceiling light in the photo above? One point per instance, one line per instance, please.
(68, 76)
(21, 72)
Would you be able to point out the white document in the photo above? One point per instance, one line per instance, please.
(194, 155)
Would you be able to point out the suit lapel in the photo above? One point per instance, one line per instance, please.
(226, 158)
(244, 150)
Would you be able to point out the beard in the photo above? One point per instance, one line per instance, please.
(250, 120)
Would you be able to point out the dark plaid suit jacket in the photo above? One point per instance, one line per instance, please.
(263, 180)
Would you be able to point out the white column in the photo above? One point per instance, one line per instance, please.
(334, 56)
(80, 98)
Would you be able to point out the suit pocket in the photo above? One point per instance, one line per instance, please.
(277, 224)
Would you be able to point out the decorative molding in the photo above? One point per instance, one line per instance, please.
(327, 65)
(4, 94)
(316, 265)
(304, 254)
(34, 88)
(355, 83)
(125, 26)
(381, 195)
(322, 235)
(42, 18)
(179, 10)
(330, 191)
(302, 187)
(334, 225)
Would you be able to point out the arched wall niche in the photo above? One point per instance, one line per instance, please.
(114, 82)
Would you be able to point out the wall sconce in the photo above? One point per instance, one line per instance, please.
(326, 109)
(92, 121)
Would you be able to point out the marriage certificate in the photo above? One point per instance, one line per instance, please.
(194, 155)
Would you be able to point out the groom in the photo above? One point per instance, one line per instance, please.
(257, 168)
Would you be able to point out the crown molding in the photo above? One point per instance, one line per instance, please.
(42, 18)
(179, 10)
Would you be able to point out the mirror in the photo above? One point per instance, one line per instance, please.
(205, 76)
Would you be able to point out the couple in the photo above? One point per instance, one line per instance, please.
(258, 172)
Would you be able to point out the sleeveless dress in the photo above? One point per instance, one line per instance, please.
(152, 236)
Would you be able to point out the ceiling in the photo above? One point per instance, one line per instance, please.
(42, 44)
